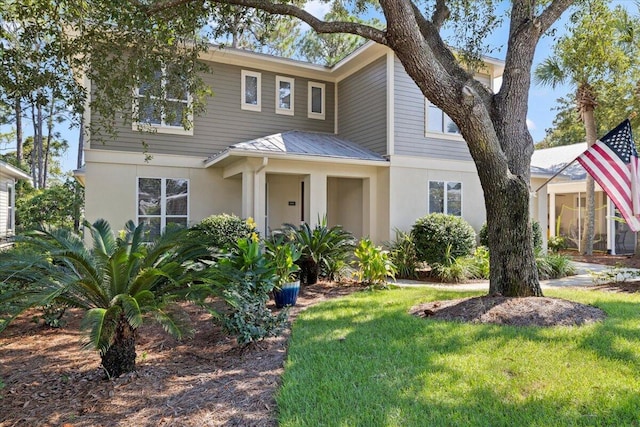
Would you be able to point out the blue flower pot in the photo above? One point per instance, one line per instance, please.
(287, 294)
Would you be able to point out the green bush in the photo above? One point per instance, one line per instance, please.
(554, 266)
(557, 243)
(483, 235)
(247, 278)
(223, 231)
(373, 264)
(323, 248)
(434, 233)
(481, 262)
(402, 252)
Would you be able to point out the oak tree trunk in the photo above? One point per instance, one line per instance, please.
(120, 358)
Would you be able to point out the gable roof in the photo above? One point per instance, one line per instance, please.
(298, 144)
(555, 158)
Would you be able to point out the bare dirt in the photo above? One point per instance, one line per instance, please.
(208, 380)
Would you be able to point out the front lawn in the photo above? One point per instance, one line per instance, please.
(364, 361)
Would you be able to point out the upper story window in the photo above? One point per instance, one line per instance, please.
(284, 95)
(163, 105)
(437, 121)
(162, 201)
(316, 100)
(251, 91)
(445, 197)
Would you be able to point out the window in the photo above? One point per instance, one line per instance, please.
(10, 213)
(438, 121)
(162, 201)
(284, 95)
(163, 107)
(316, 100)
(251, 93)
(445, 197)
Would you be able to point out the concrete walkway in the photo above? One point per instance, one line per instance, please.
(584, 277)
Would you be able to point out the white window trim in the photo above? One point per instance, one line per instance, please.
(243, 84)
(161, 127)
(163, 201)
(446, 199)
(434, 134)
(310, 114)
(291, 81)
(11, 207)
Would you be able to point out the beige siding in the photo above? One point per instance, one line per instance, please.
(4, 204)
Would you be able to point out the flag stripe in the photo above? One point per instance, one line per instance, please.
(611, 162)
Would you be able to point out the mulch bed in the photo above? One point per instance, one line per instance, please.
(205, 381)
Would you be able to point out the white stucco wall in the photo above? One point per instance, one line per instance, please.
(409, 180)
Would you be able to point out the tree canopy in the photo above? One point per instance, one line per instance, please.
(118, 44)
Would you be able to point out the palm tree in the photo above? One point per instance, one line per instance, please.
(117, 282)
(595, 51)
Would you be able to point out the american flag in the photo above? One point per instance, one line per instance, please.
(613, 163)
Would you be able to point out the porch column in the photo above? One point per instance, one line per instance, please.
(541, 215)
(369, 210)
(317, 197)
(552, 214)
(260, 200)
(247, 194)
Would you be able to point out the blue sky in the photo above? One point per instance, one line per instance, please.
(541, 99)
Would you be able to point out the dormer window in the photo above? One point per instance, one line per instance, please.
(163, 104)
(316, 101)
(284, 95)
(251, 91)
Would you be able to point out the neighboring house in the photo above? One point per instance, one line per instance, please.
(9, 175)
(567, 203)
(285, 141)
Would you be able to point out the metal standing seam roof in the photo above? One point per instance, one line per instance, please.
(303, 144)
(555, 158)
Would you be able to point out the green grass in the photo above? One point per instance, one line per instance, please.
(364, 361)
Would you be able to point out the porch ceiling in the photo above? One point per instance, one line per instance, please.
(298, 145)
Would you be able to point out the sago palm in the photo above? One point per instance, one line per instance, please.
(117, 282)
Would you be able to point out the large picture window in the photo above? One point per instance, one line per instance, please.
(445, 197)
(251, 91)
(162, 201)
(163, 104)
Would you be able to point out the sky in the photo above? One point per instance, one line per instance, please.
(542, 99)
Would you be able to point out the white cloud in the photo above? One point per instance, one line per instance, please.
(530, 124)
(317, 8)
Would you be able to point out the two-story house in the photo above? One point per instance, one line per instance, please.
(285, 141)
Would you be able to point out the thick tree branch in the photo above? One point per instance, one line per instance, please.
(552, 13)
(440, 14)
(318, 25)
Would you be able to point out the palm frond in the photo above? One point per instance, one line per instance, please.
(549, 73)
(104, 241)
(174, 320)
(131, 309)
(102, 324)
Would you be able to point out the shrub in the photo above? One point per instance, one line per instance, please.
(247, 278)
(557, 243)
(373, 264)
(223, 231)
(554, 266)
(455, 269)
(536, 236)
(481, 262)
(434, 233)
(402, 252)
(321, 246)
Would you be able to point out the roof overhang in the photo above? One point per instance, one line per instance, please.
(13, 172)
(79, 175)
(231, 155)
